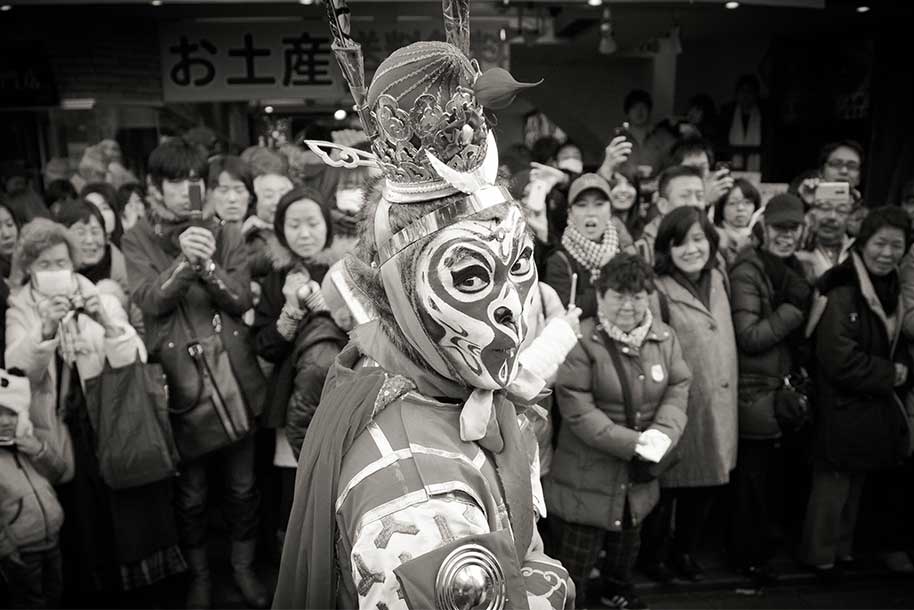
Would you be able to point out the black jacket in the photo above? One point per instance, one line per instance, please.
(763, 328)
(861, 423)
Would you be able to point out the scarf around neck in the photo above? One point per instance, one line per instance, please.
(591, 255)
(635, 338)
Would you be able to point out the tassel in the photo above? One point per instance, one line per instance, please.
(496, 88)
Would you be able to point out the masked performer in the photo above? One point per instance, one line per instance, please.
(417, 486)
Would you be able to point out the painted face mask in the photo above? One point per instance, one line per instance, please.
(475, 281)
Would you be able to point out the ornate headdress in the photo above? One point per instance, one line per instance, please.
(424, 116)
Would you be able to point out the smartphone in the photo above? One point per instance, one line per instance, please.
(195, 191)
(835, 193)
(622, 130)
(9, 420)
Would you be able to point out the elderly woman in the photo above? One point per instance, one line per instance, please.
(862, 370)
(694, 291)
(99, 259)
(60, 331)
(593, 236)
(622, 393)
(771, 298)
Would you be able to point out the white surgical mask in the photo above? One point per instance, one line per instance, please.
(575, 166)
(350, 200)
(55, 283)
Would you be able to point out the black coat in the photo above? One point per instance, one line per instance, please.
(861, 423)
(763, 328)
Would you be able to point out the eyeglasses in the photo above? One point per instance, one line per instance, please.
(840, 210)
(851, 166)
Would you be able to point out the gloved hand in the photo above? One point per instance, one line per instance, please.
(797, 290)
(653, 445)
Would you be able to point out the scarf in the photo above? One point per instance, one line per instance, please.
(701, 289)
(591, 255)
(635, 338)
(748, 135)
(100, 270)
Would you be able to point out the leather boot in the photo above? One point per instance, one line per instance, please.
(253, 592)
(199, 589)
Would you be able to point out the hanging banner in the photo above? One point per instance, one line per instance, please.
(210, 62)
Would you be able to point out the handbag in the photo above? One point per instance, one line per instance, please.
(791, 402)
(639, 469)
(128, 410)
(208, 409)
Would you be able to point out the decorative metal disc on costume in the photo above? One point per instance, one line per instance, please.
(470, 578)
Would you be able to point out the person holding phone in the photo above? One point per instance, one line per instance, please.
(189, 275)
(829, 243)
(61, 331)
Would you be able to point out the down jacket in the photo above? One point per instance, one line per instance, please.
(30, 515)
(708, 447)
(861, 424)
(589, 480)
(765, 354)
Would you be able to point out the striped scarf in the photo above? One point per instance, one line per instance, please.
(591, 255)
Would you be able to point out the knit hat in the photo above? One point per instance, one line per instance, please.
(784, 209)
(16, 396)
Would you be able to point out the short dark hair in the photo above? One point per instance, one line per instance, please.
(831, 147)
(673, 230)
(297, 194)
(126, 191)
(72, 211)
(637, 96)
(673, 172)
(58, 190)
(691, 146)
(176, 159)
(236, 167)
(545, 149)
(626, 273)
(749, 192)
(881, 217)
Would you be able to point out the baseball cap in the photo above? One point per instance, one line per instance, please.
(585, 183)
(784, 209)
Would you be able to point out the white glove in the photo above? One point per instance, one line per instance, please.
(653, 445)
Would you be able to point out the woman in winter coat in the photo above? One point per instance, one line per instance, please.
(695, 294)
(593, 236)
(770, 300)
(295, 330)
(862, 371)
(589, 491)
(60, 330)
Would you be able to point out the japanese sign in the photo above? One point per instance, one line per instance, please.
(207, 62)
(235, 62)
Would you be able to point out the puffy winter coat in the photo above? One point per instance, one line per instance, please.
(26, 350)
(30, 515)
(765, 354)
(589, 480)
(861, 424)
(708, 447)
